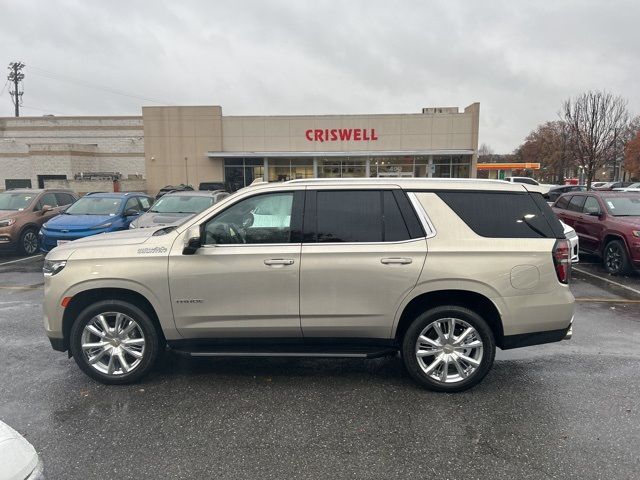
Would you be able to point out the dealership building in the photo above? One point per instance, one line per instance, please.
(194, 144)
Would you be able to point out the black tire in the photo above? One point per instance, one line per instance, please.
(28, 243)
(153, 341)
(616, 258)
(422, 321)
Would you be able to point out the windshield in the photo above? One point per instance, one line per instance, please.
(15, 201)
(623, 206)
(179, 204)
(95, 206)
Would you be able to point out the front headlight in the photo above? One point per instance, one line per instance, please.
(133, 225)
(636, 233)
(7, 222)
(51, 267)
(103, 225)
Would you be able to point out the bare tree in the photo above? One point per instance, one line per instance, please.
(550, 144)
(597, 121)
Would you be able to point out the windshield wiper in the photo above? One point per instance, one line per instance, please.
(525, 220)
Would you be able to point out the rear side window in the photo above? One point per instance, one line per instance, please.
(349, 216)
(576, 203)
(563, 202)
(357, 216)
(64, 199)
(504, 215)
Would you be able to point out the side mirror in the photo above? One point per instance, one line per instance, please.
(46, 209)
(192, 240)
(131, 212)
(595, 214)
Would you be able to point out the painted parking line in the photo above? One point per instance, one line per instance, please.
(21, 260)
(617, 284)
(22, 287)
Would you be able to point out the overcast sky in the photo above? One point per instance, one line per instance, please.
(518, 59)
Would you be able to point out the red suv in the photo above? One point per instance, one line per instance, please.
(607, 223)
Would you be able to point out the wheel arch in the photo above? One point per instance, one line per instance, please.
(610, 236)
(477, 302)
(87, 297)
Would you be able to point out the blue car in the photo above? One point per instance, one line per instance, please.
(92, 214)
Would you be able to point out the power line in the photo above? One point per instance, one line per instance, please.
(41, 72)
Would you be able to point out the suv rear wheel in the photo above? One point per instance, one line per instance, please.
(28, 242)
(616, 259)
(114, 342)
(448, 348)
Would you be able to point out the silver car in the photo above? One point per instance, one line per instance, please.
(175, 207)
(442, 271)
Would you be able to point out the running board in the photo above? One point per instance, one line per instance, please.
(260, 351)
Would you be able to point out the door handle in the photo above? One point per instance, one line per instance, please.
(396, 260)
(278, 261)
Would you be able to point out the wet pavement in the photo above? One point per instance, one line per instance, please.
(564, 410)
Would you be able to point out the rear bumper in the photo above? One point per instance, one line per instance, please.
(536, 338)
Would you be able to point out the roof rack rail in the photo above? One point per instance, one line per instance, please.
(394, 179)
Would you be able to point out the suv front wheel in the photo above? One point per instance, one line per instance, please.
(448, 349)
(114, 342)
(616, 259)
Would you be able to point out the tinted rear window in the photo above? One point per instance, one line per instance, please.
(359, 216)
(504, 215)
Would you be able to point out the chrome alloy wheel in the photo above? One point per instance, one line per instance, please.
(30, 243)
(113, 343)
(449, 350)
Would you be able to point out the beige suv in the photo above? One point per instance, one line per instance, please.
(441, 271)
(22, 213)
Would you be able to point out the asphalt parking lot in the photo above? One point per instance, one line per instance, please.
(564, 410)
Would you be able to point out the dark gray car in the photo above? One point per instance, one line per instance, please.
(175, 207)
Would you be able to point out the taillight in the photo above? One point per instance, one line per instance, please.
(562, 260)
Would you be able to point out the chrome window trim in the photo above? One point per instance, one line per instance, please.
(429, 229)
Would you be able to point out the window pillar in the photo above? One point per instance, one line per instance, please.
(430, 167)
(315, 167)
(265, 169)
(367, 167)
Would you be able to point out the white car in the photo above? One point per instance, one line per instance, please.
(634, 187)
(18, 458)
(532, 185)
(572, 236)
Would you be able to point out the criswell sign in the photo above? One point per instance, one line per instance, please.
(342, 135)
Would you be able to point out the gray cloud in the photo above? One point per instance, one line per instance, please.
(519, 59)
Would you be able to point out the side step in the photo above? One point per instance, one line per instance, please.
(342, 351)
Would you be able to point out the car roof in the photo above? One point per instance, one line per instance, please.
(603, 193)
(115, 194)
(38, 190)
(405, 183)
(193, 193)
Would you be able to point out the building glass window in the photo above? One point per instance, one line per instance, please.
(392, 166)
(342, 167)
(240, 172)
(283, 169)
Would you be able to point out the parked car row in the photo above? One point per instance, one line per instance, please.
(42, 219)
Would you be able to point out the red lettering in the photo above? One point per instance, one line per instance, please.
(345, 133)
(342, 134)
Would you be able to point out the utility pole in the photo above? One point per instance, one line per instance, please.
(16, 76)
